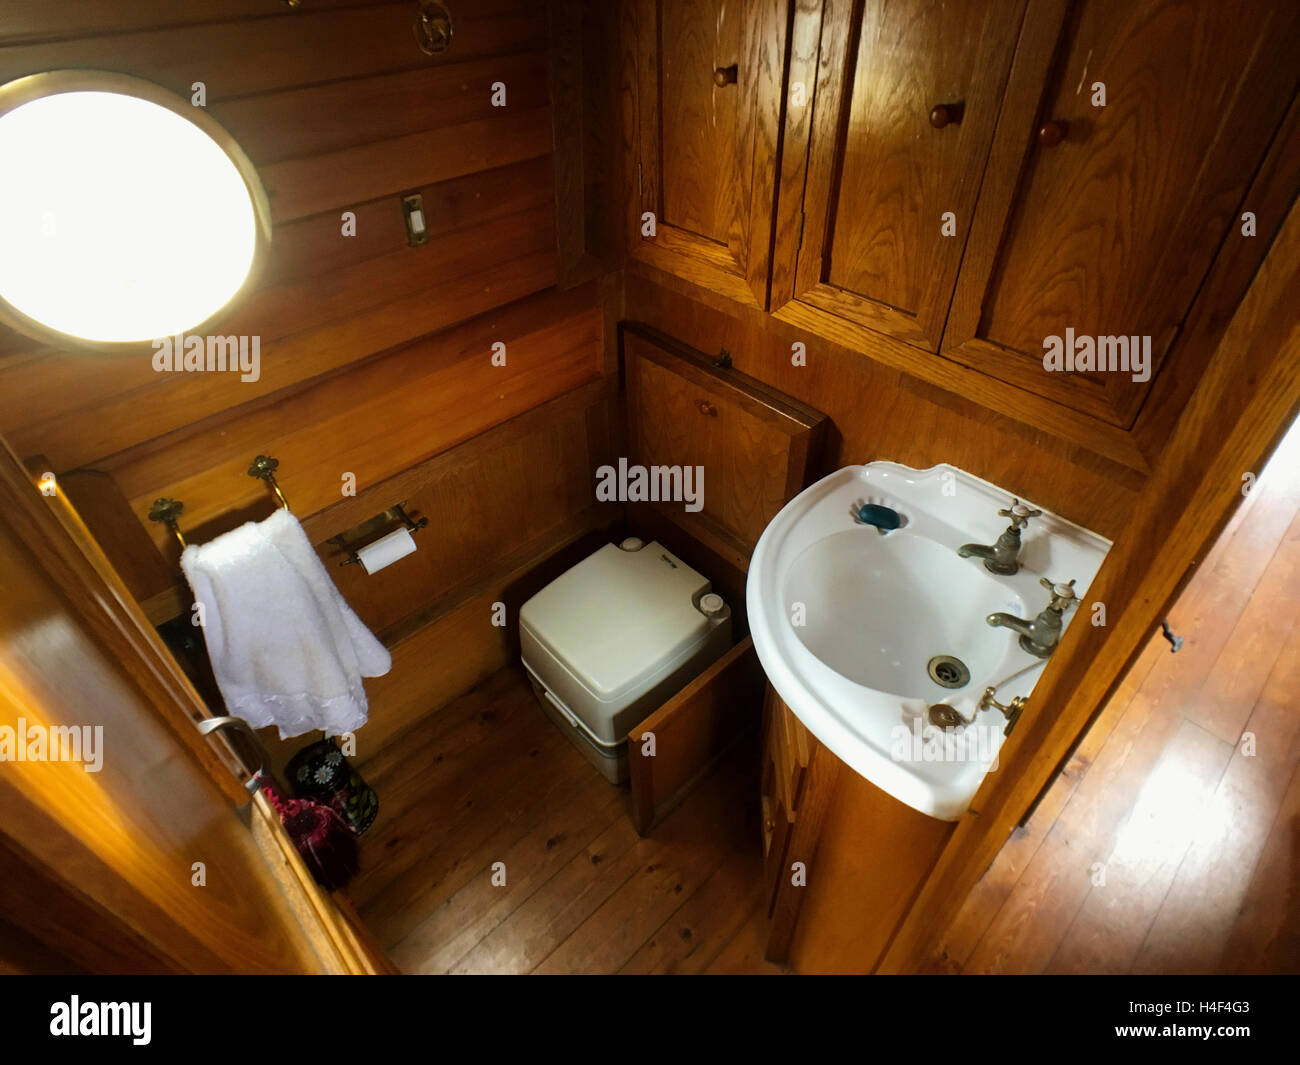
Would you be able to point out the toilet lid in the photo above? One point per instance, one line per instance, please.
(618, 616)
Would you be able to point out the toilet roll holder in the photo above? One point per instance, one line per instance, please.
(394, 515)
(168, 511)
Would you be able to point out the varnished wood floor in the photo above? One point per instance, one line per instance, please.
(489, 779)
(1198, 838)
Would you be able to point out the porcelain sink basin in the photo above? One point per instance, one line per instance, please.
(862, 632)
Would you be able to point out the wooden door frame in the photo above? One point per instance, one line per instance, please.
(74, 563)
(1245, 401)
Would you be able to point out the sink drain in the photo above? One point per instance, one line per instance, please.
(948, 672)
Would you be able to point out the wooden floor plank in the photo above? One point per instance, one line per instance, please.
(743, 953)
(1266, 935)
(433, 806)
(523, 940)
(1196, 919)
(1198, 836)
(688, 854)
(479, 906)
(1129, 887)
(492, 812)
(1261, 634)
(583, 892)
(1028, 928)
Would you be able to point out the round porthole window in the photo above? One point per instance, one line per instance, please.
(126, 213)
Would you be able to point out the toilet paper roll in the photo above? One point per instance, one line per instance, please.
(386, 550)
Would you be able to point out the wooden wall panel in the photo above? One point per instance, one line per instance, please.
(349, 114)
(318, 119)
(301, 187)
(30, 20)
(373, 421)
(243, 56)
(310, 247)
(489, 503)
(375, 356)
(881, 413)
(77, 408)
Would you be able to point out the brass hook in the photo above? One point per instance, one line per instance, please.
(433, 28)
(264, 468)
(168, 511)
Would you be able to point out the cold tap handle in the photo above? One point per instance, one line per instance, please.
(1063, 596)
(1019, 514)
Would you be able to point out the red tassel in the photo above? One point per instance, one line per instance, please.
(324, 840)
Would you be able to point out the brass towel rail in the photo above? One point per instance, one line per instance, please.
(168, 511)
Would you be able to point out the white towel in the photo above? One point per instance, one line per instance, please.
(286, 648)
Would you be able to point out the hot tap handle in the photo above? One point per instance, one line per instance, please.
(1063, 596)
(1019, 514)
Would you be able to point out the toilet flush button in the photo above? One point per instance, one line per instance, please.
(632, 543)
(711, 605)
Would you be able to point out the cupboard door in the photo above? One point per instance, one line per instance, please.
(793, 762)
(906, 99)
(1105, 219)
(702, 123)
(754, 448)
(115, 841)
(691, 729)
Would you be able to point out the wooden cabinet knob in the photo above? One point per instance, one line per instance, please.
(945, 114)
(726, 75)
(1051, 133)
(705, 407)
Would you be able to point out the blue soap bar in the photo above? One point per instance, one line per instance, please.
(880, 517)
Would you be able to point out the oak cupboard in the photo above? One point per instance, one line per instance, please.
(843, 860)
(702, 101)
(1106, 219)
(978, 178)
(944, 187)
(904, 98)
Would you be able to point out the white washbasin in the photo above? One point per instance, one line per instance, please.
(845, 621)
